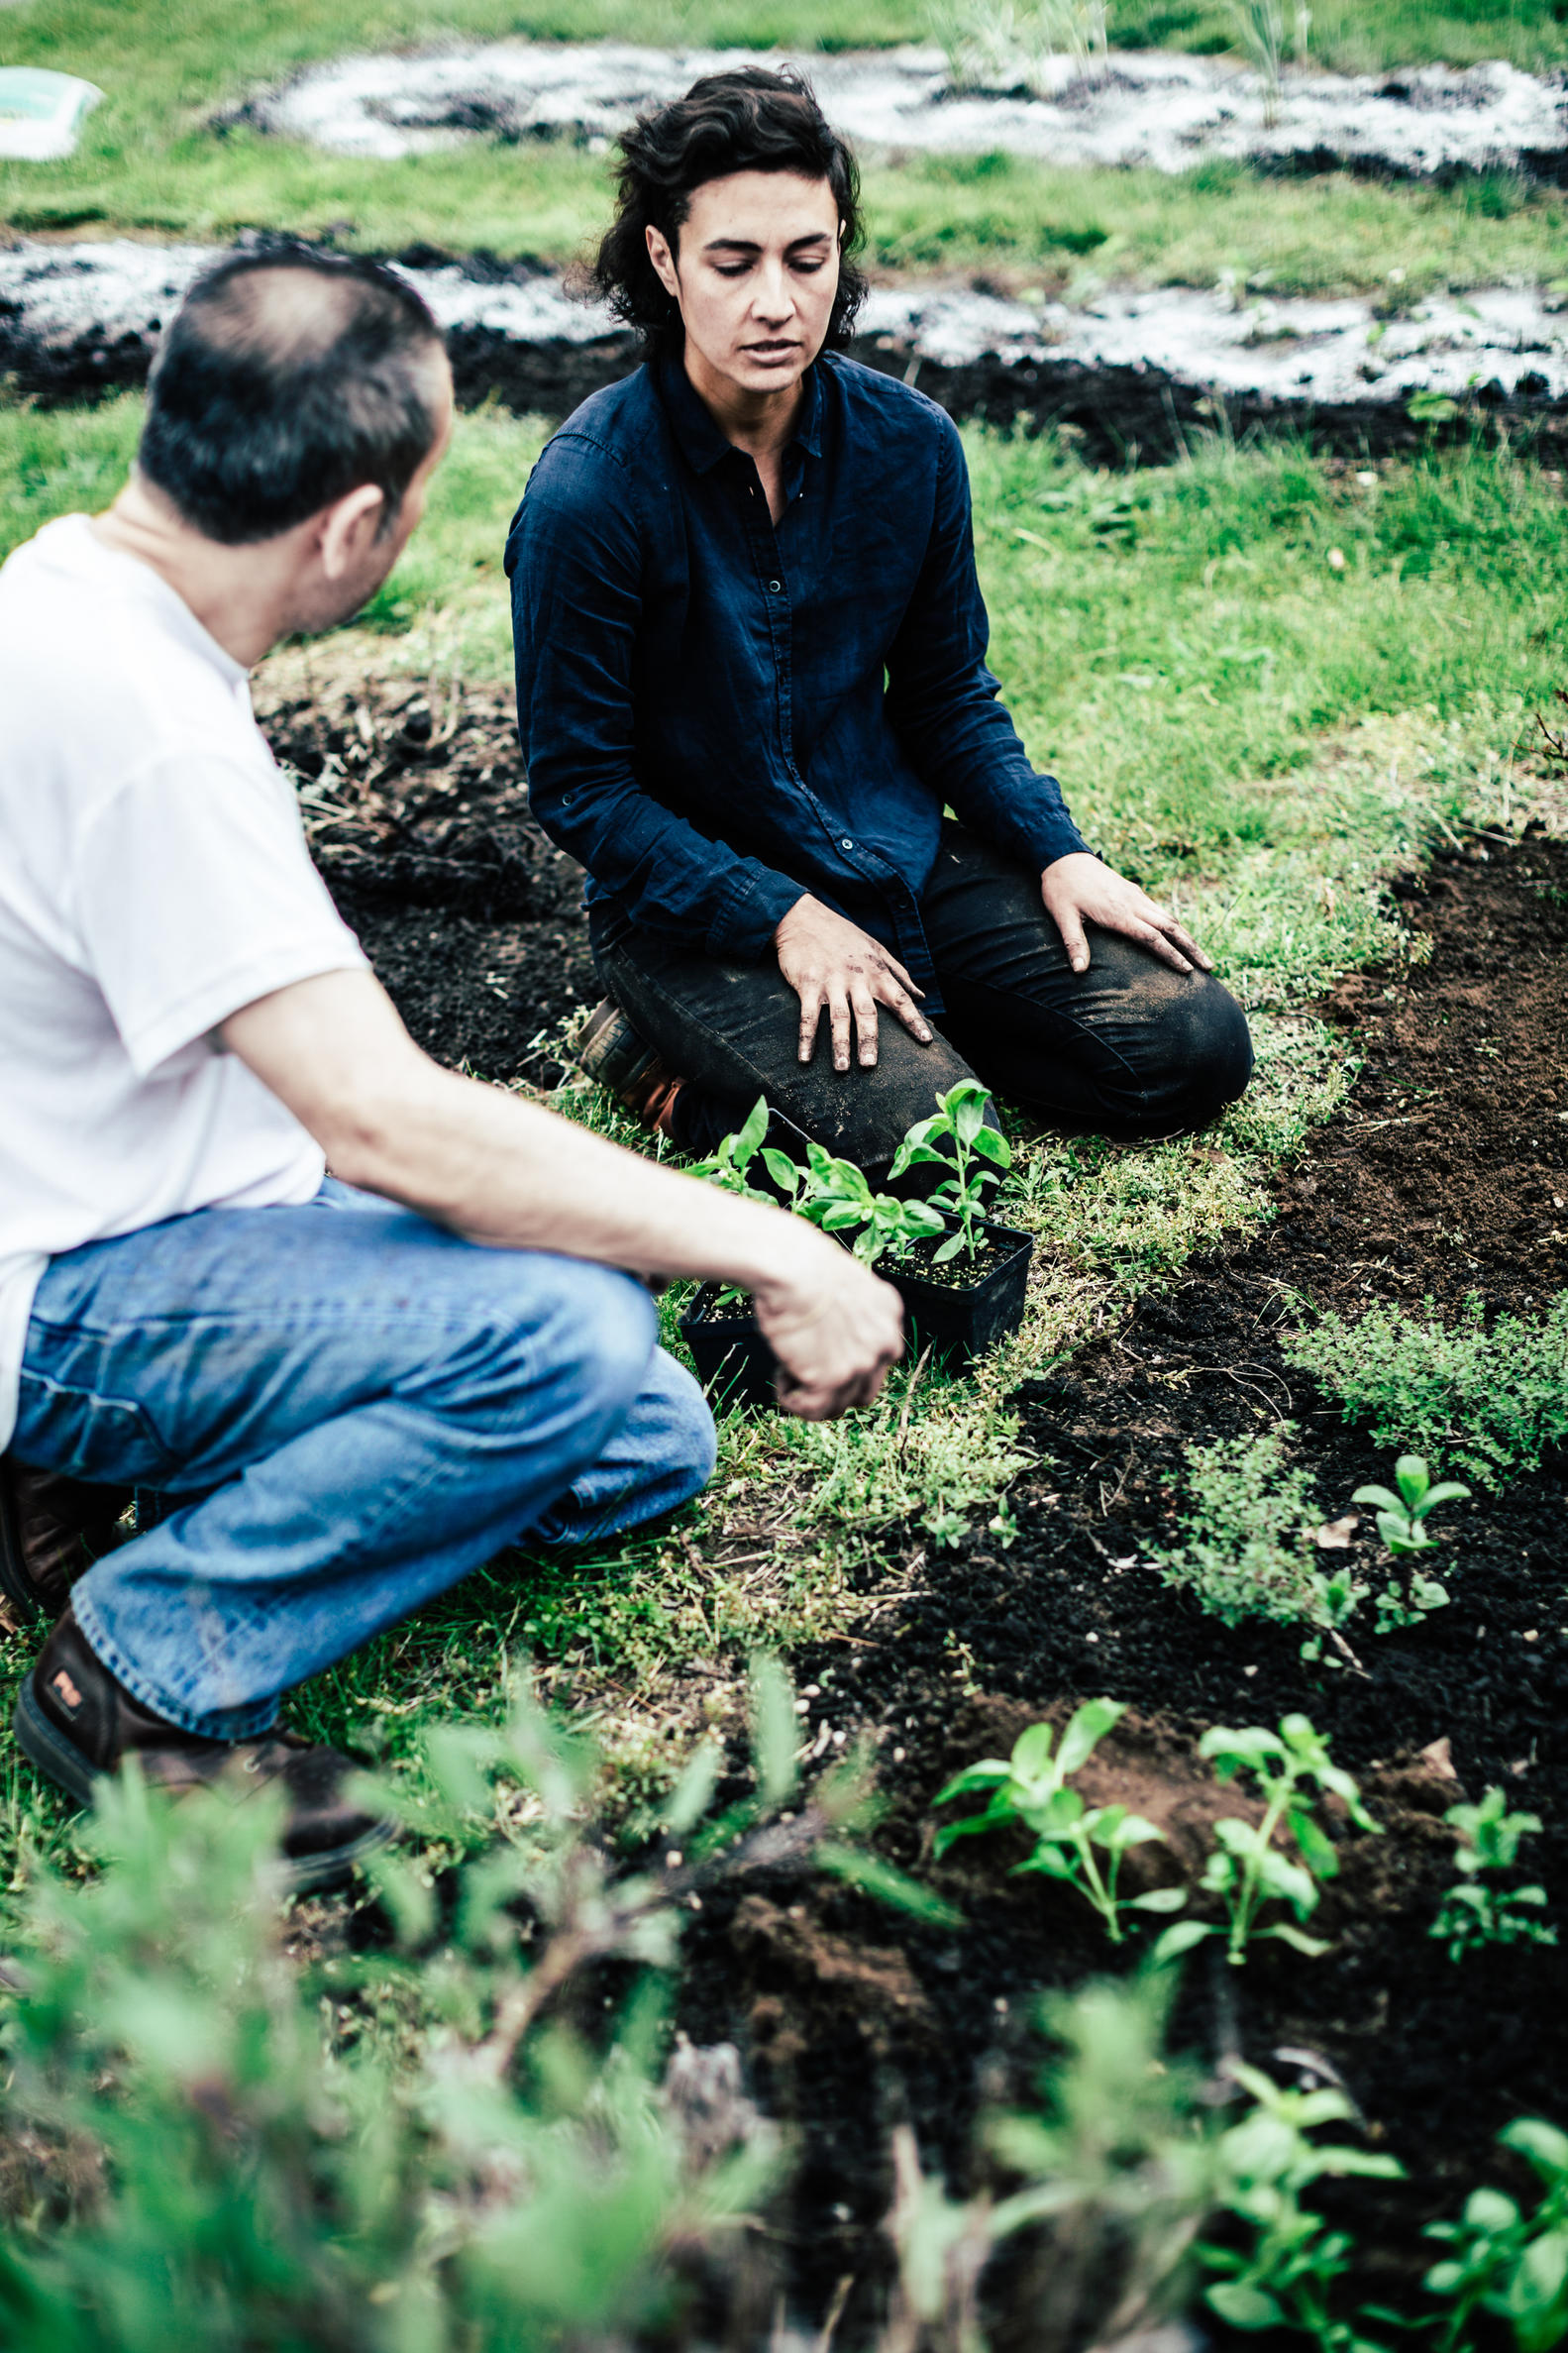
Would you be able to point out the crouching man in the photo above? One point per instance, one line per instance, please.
(351, 1389)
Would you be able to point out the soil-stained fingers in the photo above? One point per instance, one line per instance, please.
(835, 1329)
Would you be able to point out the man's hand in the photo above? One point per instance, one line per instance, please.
(835, 1328)
(1079, 889)
(513, 1176)
(829, 961)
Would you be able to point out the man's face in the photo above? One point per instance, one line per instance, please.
(755, 273)
(328, 601)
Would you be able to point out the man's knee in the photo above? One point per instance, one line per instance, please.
(553, 1339)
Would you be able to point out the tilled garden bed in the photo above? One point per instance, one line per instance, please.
(1446, 1175)
(1440, 1179)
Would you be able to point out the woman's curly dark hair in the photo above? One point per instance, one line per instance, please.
(749, 120)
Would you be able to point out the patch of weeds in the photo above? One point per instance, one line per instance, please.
(886, 1463)
(1491, 1402)
(1249, 1549)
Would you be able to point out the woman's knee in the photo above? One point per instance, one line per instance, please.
(1210, 1054)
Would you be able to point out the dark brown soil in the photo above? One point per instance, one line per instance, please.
(417, 814)
(1447, 1173)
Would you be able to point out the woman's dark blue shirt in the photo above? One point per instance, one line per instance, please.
(718, 713)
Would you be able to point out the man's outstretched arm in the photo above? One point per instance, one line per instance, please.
(510, 1175)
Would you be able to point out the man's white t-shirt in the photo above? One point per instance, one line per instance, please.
(153, 878)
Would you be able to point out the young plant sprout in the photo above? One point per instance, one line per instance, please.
(1500, 2264)
(1071, 1838)
(1246, 1869)
(1401, 1518)
(835, 1194)
(956, 1137)
(1474, 1913)
(729, 1166)
(1401, 1524)
(1284, 2274)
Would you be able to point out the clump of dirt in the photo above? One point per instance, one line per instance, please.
(1442, 1177)
(416, 809)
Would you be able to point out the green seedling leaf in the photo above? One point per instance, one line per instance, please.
(1087, 1727)
(1295, 1938)
(1032, 1750)
(1242, 2307)
(1541, 2145)
(1446, 1491)
(784, 1172)
(989, 1771)
(751, 1135)
(1159, 1899)
(889, 1886)
(1378, 1496)
(950, 1250)
(773, 1729)
(1179, 1939)
(1409, 1476)
(692, 1794)
(992, 1145)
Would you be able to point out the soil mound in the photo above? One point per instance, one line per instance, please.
(416, 810)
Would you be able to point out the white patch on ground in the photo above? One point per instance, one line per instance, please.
(1140, 107)
(1324, 353)
(41, 113)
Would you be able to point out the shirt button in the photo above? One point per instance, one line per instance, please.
(846, 843)
(774, 588)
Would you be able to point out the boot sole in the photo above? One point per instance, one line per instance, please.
(47, 1747)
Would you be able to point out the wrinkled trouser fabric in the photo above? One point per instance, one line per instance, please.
(1129, 1048)
(355, 1410)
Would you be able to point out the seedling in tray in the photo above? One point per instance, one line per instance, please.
(1246, 1869)
(1072, 1840)
(957, 1138)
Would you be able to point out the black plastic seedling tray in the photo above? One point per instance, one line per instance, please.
(736, 1365)
(960, 1323)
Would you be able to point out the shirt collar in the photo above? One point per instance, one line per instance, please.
(703, 443)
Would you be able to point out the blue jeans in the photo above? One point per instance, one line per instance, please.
(359, 1409)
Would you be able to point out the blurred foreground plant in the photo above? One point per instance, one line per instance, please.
(208, 2142)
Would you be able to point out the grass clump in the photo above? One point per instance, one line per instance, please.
(1249, 1549)
(1488, 1402)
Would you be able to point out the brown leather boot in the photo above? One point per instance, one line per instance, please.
(611, 1051)
(53, 1527)
(76, 1721)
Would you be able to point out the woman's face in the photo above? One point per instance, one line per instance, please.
(755, 269)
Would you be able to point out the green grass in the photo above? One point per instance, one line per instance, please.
(149, 161)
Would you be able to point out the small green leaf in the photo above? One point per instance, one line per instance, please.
(1159, 1899)
(1178, 1939)
(1087, 1727)
(1242, 2307)
(1297, 1938)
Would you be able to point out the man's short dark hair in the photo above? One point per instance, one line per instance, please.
(749, 120)
(287, 378)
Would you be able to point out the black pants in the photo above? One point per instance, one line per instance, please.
(1129, 1048)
